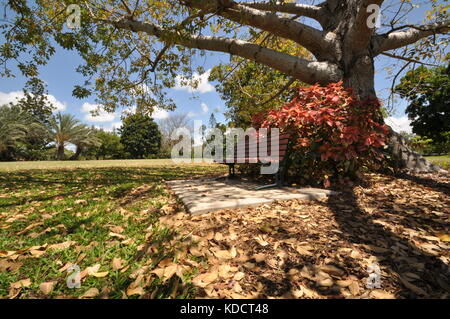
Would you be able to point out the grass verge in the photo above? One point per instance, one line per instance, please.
(103, 219)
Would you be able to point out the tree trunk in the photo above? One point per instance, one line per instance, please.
(77, 154)
(360, 80)
(60, 152)
(356, 59)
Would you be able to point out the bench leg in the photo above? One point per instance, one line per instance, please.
(279, 181)
(266, 187)
(231, 171)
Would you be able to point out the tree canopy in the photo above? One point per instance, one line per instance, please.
(133, 50)
(20, 133)
(140, 136)
(428, 93)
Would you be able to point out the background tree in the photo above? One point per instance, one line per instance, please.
(12, 130)
(250, 88)
(84, 139)
(141, 37)
(64, 128)
(212, 121)
(20, 133)
(35, 100)
(140, 136)
(110, 146)
(428, 93)
(167, 126)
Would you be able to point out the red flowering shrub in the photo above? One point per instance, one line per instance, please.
(336, 134)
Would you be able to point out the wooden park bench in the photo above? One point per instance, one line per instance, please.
(246, 155)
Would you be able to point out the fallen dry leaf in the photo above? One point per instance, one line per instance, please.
(444, 237)
(381, 294)
(113, 234)
(47, 287)
(261, 240)
(135, 291)
(99, 274)
(61, 246)
(117, 263)
(205, 279)
(90, 293)
(412, 287)
(116, 229)
(24, 283)
(354, 288)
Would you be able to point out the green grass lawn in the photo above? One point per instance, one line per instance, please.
(20, 166)
(94, 213)
(443, 161)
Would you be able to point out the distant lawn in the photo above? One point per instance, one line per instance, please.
(16, 166)
(443, 161)
(103, 215)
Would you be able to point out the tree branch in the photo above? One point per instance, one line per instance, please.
(310, 11)
(309, 37)
(301, 69)
(281, 91)
(395, 40)
(394, 56)
(360, 34)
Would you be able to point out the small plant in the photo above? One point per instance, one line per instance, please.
(336, 135)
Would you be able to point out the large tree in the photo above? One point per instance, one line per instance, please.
(140, 136)
(123, 42)
(65, 128)
(168, 126)
(21, 134)
(249, 88)
(86, 137)
(428, 93)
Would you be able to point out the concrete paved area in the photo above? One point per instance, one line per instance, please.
(206, 195)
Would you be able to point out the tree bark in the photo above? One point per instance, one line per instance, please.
(60, 152)
(77, 154)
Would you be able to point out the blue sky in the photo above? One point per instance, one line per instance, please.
(61, 77)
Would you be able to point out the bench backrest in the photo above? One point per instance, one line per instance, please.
(247, 153)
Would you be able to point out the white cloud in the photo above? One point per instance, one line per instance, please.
(13, 97)
(159, 114)
(399, 124)
(6, 98)
(60, 106)
(102, 116)
(204, 107)
(109, 128)
(192, 114)
(203, 84)
(116, 125)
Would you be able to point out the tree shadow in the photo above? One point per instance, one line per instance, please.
(396, 255)
(440, 186)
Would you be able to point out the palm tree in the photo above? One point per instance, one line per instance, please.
(17, 128)
(86, 138)
(13, 128)
(65, 128)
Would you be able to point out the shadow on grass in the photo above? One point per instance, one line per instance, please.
(83, 181)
